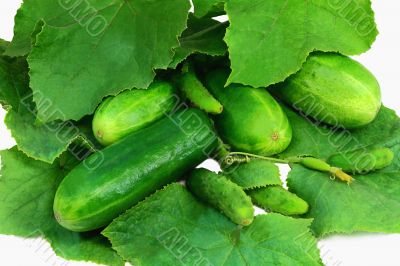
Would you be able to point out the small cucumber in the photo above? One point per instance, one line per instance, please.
(132, 110)
(252, 121)
(363, 161)
(193, 89)
(321, 165)
(278, 199)
(253, 174)
(334, 89)
(112, 180)
(315, 164)
(223, 194)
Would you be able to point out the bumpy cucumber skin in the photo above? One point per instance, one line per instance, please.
(131, 110)
(278, 199)
(334, 89)
(363, 161)
(223, 194)
(194, 90)
(131, 169)
(252, 121)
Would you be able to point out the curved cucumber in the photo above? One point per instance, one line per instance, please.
(131, 110)
(223, 194)
(252, 121)
(194, 90)
(334, 89)
(363, 161)
(278, 199)
(121, 175)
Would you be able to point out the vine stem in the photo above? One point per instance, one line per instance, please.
(309, 162)
(275, 160)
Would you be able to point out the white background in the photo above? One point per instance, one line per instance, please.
(358, 249)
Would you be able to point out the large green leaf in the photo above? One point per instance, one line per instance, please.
(41, 141)
(30, 12)
(13, 81)
(116, 45)
(205, 36)
(269, 40)
(171, 227)
(27, 189)
(322, 141)
(254, 174)
(372, 202)
(208, 7)
(44, 142)
(369, 204)
(3, 46)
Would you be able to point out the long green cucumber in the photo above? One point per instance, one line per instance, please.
(278, 199)
(252, 121)
(223, 194)
(363, 161)
(334, 89)
(132, 110)
(92, 195)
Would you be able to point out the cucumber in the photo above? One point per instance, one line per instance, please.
(315, 164)
(333, 89)
(278, 199)
(199, 96)
(93, 194)
(323, 166)
(363, 161)
(132, 110)
(252, 121)
(223, 194)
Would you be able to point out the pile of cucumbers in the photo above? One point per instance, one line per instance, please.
(160, 135)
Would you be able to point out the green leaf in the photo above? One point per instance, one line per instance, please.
(28, 15)
(113, 47)
(3, 46)
(322, 141)
(27, 189)
(372, 202)
(205, 36)
(43, 142)
(171, 227)
(208, 8)
(369, 204)
(270, 40)
(13, 81)
(254, 174)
